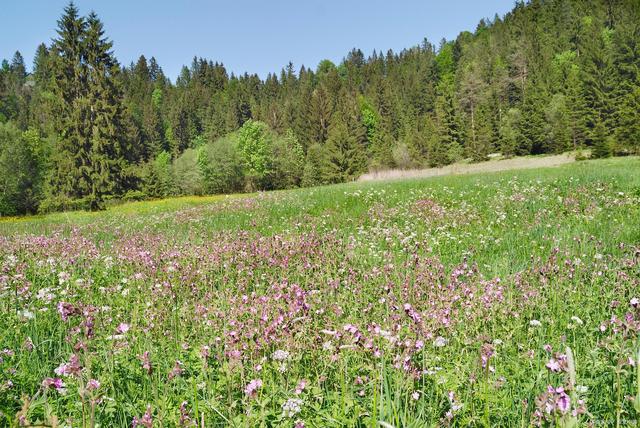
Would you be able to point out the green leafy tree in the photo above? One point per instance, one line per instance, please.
(23, 165)
(159, 179)
(221, 167)
(288, 162)
(254, 147)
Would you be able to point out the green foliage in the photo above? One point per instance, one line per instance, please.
(288, 162)
(312, 173)
(255, 150)
(510, 132)
(602, 143)
(449, 147)
(159, 179)
(23, 165)
(370, 119)
(221, 167)
(537, 81)
(558, 128)
(344, 157)
(189, 176)
(157, 97)
(628, 134)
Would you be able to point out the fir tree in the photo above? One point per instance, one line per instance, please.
(110, 151)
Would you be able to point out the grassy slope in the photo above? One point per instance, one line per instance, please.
(506, 223)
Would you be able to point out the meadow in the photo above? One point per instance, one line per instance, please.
(497, 299)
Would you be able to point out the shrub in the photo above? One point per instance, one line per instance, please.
(188, 175)
(220, 166)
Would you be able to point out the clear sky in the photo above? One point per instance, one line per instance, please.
(257, 36)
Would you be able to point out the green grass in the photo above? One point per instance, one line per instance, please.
(476, 258)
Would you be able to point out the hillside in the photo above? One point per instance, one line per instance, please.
(547, 77)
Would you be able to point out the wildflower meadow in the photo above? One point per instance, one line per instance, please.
(502, 299)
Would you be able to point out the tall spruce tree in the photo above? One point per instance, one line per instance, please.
(91, 154)
(69, 179)
(110, 152)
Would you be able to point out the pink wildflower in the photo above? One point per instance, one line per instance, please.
(55, 383)
(177, 370)
(486, 352)
(123, 328)
(66, 310)
(146, 362)
(301, 386)
(252, 388)
(145, 421)
(72, 368)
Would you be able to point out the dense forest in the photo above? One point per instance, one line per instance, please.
(81, 131)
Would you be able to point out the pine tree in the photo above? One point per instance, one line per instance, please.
(601, 142)
(558, 125)
(598, 77)
(69, 179)
(345, 155)
(510, 132)
(92, 153)
(318, 117)
(627, 98)
(449, 146)
(473, 92)
(110, 151)
(312, 174)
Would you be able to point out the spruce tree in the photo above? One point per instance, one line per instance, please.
(598, 77)
(601, 142)
(92, 153)
(449, 145)
(109, 151)
(69, 179)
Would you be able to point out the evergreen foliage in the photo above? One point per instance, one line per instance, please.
(547, 77)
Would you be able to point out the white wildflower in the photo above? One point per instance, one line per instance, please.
(440, 342)
(291, 407)
(280, 355)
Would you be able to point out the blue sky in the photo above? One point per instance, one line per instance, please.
(251, 35)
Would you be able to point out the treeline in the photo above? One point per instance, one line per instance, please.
(80, 130)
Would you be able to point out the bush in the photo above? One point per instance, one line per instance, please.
(159, 181)
(288, 162)
(220, 166)
(189, 178)
(134, 196)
